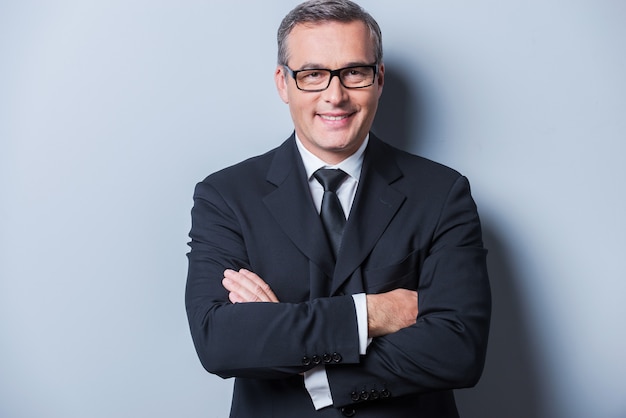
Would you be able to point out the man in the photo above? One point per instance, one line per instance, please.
(379, 317)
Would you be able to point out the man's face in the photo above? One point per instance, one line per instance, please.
(332, 124)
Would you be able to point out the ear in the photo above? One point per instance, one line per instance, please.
(281, 83)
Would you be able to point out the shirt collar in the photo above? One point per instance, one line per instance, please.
(351, 165)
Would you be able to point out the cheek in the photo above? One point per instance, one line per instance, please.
(372, 105)
(301, 105)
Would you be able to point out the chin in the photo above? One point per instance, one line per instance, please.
(339, 147)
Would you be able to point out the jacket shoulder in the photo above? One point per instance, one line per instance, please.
(415, 167)
(252, 167)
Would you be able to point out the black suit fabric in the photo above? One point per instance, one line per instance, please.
(413, 225)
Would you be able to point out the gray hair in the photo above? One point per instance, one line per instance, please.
(319, 11)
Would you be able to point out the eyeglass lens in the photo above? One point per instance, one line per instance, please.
(352, 77)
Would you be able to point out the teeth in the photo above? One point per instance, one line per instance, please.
(333, 117)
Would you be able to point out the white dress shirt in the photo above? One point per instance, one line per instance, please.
(316, 380)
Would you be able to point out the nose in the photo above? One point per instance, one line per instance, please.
(336, 92)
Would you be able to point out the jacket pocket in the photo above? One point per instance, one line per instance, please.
(402, 274)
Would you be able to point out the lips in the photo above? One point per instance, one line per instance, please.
(334, 118)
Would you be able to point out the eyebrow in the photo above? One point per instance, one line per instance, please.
(315, 66)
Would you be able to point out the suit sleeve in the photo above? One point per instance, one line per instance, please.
(446, 347)
(254, 340)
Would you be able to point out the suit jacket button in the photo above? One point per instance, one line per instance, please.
(306, 361)
(374, 394)
(348, 411)
(385, 394)
(327, 358)
(365, 395)
(316, 360)
(355, 396)
(336, 358)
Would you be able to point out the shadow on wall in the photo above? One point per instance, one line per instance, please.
(510, 386)
(398, 119)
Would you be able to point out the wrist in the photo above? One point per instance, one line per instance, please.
(372, 326)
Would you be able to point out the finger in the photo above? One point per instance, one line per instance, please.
(235, 298)
(249, 287)
(261, 287)
(252, 287)
(237, 292)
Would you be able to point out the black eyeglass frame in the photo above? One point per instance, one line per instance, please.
(333, 73)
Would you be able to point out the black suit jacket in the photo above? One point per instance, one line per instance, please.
(413, 225)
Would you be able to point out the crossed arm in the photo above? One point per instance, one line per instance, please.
(440, 349)
(386, 312)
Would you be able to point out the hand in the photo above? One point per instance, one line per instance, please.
(245, 286)
(390, 312)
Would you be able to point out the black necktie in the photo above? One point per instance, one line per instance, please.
(332, 215)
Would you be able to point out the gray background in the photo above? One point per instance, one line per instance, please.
(111, 111)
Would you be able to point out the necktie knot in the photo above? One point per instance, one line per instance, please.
(330, 178)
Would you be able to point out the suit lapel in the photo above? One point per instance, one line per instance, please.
(292, 206)
(375, 204)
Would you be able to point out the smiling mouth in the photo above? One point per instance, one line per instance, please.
(334, 118)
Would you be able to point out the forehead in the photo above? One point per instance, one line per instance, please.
(330, 44)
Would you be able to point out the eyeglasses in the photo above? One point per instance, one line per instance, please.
(318, 79)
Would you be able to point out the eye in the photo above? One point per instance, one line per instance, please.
(356, 72)
(311, 75)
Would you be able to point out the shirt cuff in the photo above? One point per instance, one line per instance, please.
(360, 304)
(316, 383)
